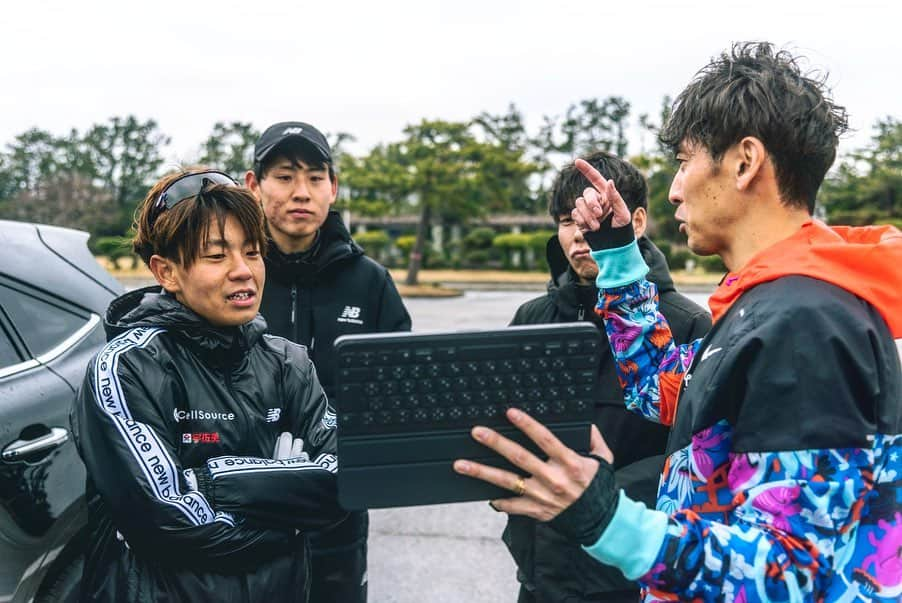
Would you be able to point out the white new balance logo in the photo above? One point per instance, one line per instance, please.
(292, 131)
(350, 312)
(273, 414)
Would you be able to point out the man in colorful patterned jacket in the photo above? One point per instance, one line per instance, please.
(783, 480)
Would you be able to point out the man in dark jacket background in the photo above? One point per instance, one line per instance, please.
(550, 568)
(319, 285)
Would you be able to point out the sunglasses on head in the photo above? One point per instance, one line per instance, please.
(186, 187)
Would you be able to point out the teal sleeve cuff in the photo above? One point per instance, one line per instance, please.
(632, 540)
(619, 266)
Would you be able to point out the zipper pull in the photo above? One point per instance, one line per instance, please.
(581, 313)
(294, 302)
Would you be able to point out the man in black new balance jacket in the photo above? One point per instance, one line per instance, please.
(551, 569)
(333, 289)
(319, 285)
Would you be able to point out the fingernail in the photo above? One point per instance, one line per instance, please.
(463, 466)
(514, 415)
(480, 433)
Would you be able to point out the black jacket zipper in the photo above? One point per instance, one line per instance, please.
(294, 311)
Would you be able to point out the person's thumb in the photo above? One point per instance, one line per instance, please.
(283, 446)
(621, 213)
(297, 448)
(599, 447)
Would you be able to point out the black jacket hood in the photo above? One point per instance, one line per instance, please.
(334, 245)
(154, 307)
(567, 293)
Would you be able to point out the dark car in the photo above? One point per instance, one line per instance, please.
(52, 297)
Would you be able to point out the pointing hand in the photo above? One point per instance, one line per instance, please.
(598, 202)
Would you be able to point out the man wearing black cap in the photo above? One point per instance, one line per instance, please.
(319, 285)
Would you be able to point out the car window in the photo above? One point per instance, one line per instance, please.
(41, 324)
(8, 355)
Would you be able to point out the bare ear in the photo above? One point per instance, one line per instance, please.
(750, 162)
(640, 222)
(334, 189)
(250, 181)
(165, 272)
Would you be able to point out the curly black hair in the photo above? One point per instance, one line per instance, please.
(755, 90)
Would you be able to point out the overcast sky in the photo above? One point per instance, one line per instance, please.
(371, 67)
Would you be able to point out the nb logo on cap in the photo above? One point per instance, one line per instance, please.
(292, 131)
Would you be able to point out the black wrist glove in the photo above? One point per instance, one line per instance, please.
(586, 519)
(608, 237)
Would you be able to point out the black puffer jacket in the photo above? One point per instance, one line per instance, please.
(337, 291)
(551, 568)
(312, 298)
(170, 392)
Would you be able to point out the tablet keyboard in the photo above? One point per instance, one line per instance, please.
(406, 402)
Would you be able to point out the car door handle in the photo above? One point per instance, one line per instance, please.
(23, 448)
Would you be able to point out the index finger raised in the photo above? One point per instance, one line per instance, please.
(591, 174)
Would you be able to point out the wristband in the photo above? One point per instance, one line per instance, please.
(586, 519)
(608, 237)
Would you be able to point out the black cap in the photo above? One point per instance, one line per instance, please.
(278, 133)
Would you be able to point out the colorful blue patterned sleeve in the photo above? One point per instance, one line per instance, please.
(650, 366)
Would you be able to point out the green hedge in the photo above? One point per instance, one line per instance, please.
(114, 248)
(479, 238)
(512, 241)
(711, 263)
(861, 217)
(678, 257)
(405, 243)
(528, 240)
(477, 258)
(373, 239)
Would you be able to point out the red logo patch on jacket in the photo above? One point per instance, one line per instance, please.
(201, 438)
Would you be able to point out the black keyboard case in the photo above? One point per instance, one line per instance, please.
(406, 403)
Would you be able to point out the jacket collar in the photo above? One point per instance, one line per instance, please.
(154, 307)
(333, 244)
(862, 260)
